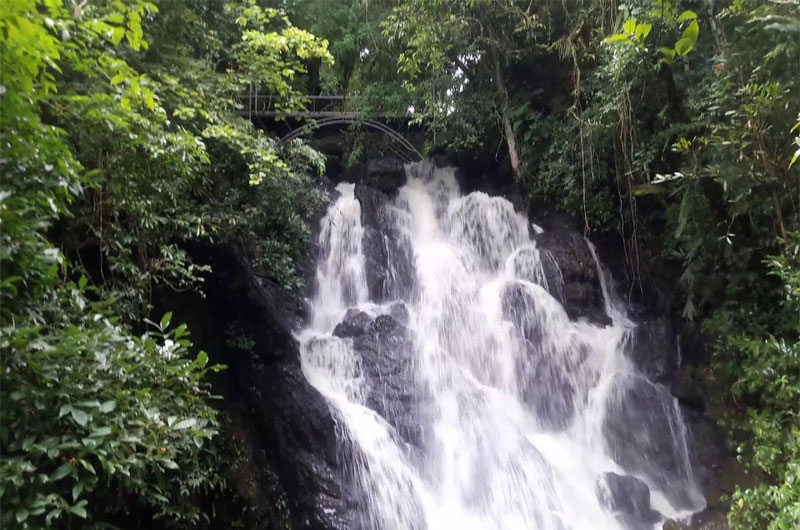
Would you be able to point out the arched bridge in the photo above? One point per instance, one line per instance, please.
(325, 111)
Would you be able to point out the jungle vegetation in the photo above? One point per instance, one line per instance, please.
(672, 123)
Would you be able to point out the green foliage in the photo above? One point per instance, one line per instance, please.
(119, 145)
(764, 363)
(91, 414)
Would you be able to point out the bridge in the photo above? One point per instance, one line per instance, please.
(324, 111)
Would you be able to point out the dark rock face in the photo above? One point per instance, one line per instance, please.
(548, 389)
(629, 498)
(653, 348)
(386, 359)
(385, 175)
(638, 428)
(582, 295)
(295, 453)
(519, 306)
(354, 324)
(387, 251)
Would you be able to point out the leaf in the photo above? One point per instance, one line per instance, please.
(80, 417)
(691, 32)
(647, 189)
(619, 37)
(80, 511)
(630, 26)
(76, 491)
(683, 46)
(117, 34)
(63, 470)
(108, 406)
(117, 79)
(21, 515)
(165, 320)
(87, 466)
(184, 424)
(202, 359)
(687, 15)
(169, 464)
(642, 31)
(150, 101)
(794, 158)
(102, 431)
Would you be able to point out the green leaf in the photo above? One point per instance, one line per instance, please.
(117, 34)
(76, 491)
(683, 46)
(87, 466)
(169, 464)
(108, 406)
(117, 79)
(630, 26)
(642, 31)
(687, 15)
(647, 189)
(102, 431)
(184, 424)
(794, 158)
(80, 511)
(21, 515)
(619, 37)
(202, 359)
(63, 470)
(80, 417)
(165, 320)
(691, 32)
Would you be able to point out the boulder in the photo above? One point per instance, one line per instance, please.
(353, 324)
(386, 354)
(653, 349)
(572, 274)
(629, 498)
(387, 251)
(642, 433)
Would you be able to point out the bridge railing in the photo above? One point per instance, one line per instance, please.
(254, 104)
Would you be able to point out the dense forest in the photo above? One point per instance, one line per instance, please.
(672, 126)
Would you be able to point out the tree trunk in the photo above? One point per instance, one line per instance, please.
(508, 130)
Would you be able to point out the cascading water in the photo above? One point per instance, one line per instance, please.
(474, 402)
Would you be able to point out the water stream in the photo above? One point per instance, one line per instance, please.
(525, 419)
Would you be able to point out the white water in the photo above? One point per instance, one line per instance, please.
(515, 393)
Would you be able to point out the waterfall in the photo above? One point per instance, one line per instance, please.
(472, 400)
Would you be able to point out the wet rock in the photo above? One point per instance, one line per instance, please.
(399, 312)
(387, 251)
(290, 431)
(688, 389)
(386, 355)
(385, 175)
(548, 388)
(643, 435)
(573, 267)
(706, 520)
(549, 392)
(519, 307)
(653, 348)
(629, 498)
(353, 324)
